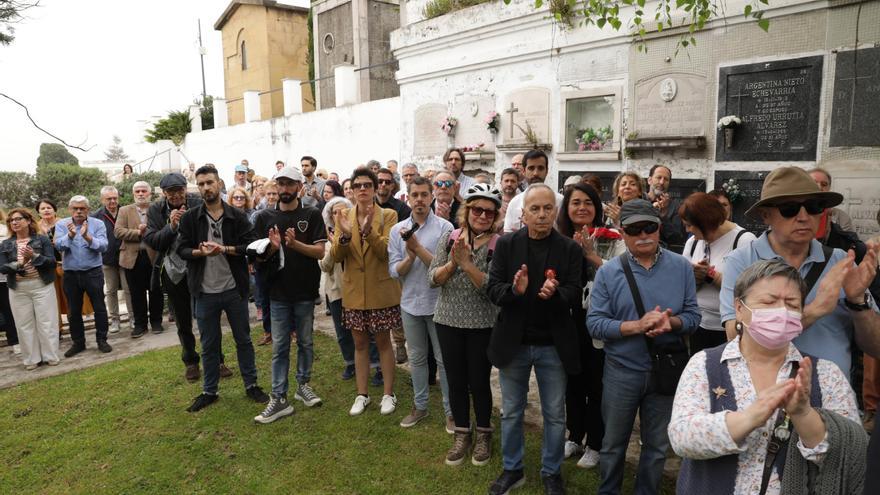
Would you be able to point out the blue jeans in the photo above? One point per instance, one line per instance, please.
(207, 309)
(514, 380)
(301, 315)
(345, 340)
(418, 329)
(261, 300)
(626, 391)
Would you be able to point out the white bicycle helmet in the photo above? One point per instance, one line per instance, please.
(484, 191)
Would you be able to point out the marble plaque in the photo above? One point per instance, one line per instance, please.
(778, 103)
(854, 117)
(860, 198)
(670, 104)
(428, 138)
(524, 108)
(471, 130)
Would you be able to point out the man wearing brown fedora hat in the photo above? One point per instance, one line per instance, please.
(838, 305)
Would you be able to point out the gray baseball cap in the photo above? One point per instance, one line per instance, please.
(638, 210)
(289, 172)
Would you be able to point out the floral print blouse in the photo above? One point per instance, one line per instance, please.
(696, 433)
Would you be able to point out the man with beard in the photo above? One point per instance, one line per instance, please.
(312, 185)
(296, 242)
(672, 235)
(135, 257)
(213, 240)
(169, 269)
(509, 188)
(536, 166)
(454, 161)
(385, 194)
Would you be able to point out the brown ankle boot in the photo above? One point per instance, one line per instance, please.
(461, 445)
(482, 447)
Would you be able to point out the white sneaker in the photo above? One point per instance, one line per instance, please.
(360, 403)
(589, 460)
(388, 404)
(16, 349)
(571, 449)
(114, 326)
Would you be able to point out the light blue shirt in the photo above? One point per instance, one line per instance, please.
(831, 336)
(79, 255)
(417, 298)
(668, 284)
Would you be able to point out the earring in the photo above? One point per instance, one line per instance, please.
(739, 327)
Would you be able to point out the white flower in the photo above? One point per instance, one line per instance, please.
(729, 121)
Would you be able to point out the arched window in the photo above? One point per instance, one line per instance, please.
(243, 56)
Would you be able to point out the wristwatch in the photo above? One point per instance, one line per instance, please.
(857, 306)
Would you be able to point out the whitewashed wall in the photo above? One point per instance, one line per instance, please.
(339, 138)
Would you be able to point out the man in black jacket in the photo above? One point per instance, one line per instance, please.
(113, 278)
(536, 279)
(213, 241)
(169, 269)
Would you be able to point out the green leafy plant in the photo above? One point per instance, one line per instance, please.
(59, 181)
(697, 13)
(174, 127)
(436, 8)
(529, 133)
(55, 153)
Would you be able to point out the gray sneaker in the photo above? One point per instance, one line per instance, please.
(304, 393)
(414, 417)
(278, 408)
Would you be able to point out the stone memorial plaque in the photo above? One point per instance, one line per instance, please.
(428, 138)
(854, 112)
(861, 199)
(778, 103)
(682, 188)
(471, 130)
(750, 184)
(670, 105)
(524, 108)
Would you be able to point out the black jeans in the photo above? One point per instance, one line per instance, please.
(583, 398)
(77, 283)
(139, 279)
(180, 304)
(467, 373)
(706, 339)
(7, 322)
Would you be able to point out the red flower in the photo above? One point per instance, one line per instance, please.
(604, 233)
(550, 274)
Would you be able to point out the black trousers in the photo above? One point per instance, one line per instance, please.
(706, 339)
(180, 304)
(467, 373)
(583, 398)
(139, 286)
(77, 283)
(7, 322)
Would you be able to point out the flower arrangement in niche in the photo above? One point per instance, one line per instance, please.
(492, 121)
(448, 125)
(590, 139)
(732, 189)
(729, 122)
(473, 148)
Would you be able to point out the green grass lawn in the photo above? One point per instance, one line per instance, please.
(122, 428)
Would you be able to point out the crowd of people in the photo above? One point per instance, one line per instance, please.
(752, 356)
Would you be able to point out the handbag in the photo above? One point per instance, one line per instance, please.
(667, 361)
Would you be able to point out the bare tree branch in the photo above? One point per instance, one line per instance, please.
(28, 114)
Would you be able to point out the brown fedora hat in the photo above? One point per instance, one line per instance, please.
(787, 182)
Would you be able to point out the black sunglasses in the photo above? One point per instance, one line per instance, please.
(484, 212)
(637, 229)
(790, 209)
(361, 185)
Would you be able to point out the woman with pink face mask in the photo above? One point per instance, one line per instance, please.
(755, 415)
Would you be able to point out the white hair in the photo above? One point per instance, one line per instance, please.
(108, 190)
(78, 199)
(410, 165)
(328, 209)
(141, 183)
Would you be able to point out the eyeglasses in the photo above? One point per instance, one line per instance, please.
(239, 198)
(484, 212)
(361, 185)
(16, 219)
(637, 229)
(444, 183)
(387, 182)
(790, 209)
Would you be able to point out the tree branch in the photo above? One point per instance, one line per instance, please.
(28, 114)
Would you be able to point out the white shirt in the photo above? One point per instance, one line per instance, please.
(464, 181)
(513, 217)
(708, 295)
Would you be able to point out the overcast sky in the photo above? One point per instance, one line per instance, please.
(88, 69)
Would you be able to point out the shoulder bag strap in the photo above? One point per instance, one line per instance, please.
(736, 239)
(776, 444)
(631, 281)
(817, 269)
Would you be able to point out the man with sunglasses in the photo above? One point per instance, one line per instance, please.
(385, 194)
(445, 204)
(838, 306)
(668, 297)
(213, 239)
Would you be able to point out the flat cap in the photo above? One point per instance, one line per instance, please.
(172, 180)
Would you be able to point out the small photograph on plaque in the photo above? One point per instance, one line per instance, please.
(589, 124)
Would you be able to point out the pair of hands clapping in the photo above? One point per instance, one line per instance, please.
(275, 237)
(83, 230)
(521, 283)
(340, 219)
(791, 394)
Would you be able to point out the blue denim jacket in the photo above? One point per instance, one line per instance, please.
(43, 261)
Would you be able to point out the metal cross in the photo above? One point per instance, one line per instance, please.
(512, 110)
(739, 102)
